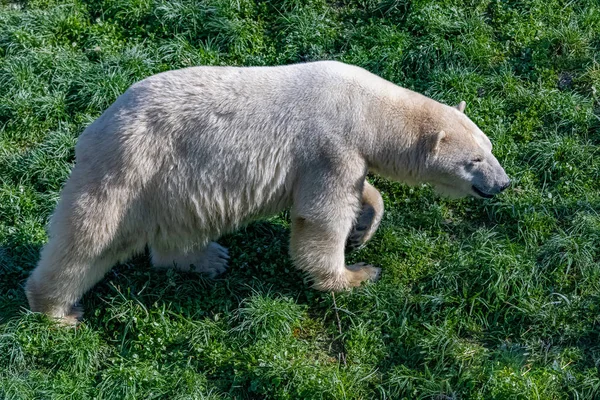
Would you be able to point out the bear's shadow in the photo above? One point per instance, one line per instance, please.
(259, 264)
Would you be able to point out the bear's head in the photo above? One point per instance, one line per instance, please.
(459, 160)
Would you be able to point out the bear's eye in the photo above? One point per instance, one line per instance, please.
(477, 159)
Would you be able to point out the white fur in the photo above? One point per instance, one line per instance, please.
(185, 156)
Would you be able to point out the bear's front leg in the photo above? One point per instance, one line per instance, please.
(368, 219)
(322, 217)
(317, 247)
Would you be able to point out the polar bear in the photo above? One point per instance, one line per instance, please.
(186, 155)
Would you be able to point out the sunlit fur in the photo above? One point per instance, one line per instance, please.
(185, 156)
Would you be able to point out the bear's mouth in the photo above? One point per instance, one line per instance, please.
(481, 193)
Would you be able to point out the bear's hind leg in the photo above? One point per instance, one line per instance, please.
(211, 259)
(86, 239)
(62, 276)
(82, 248)
(368, 219)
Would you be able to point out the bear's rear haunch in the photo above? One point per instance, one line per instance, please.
(185, 156)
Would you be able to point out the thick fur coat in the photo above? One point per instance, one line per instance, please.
(185, 156)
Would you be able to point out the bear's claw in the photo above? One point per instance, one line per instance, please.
(214, 261)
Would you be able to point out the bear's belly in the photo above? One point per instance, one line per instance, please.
(203, 213)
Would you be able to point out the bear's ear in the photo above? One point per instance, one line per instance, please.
(461, 106)
(437, 141)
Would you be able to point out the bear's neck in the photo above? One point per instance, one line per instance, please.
(396, 119)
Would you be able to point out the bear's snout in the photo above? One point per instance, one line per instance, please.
(488, 194)
(505, 186)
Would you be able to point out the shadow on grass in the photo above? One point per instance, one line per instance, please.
(259, 263)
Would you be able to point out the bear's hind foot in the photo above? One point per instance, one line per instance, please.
(73, 318)
(212, 260)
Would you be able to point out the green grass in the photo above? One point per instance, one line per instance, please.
(495, 299)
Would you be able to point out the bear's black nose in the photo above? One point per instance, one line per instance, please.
(506, 185)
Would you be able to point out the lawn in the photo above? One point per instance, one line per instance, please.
(494, 299)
